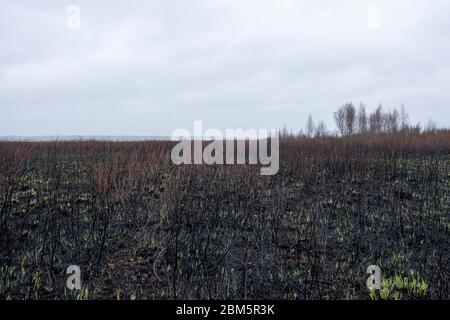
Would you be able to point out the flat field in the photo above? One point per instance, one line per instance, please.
(140, 227)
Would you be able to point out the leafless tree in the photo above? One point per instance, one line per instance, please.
(284, 132)
(391, 122)
(345, 118)
(321, 130)
(350, 117)
(310, 127)
(431, 126)
(339, 118)
(362, 119)
(376, 120)
(404, 118)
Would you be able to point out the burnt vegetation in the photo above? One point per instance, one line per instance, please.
(142, 228)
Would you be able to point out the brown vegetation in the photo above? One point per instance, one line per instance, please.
(141, 227)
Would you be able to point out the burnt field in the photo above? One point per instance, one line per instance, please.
(140, 227)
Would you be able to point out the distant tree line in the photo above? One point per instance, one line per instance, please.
(350, 120)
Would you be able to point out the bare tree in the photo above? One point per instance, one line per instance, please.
(350, 117)
(376, 120)
(391, 123)
(416, 128)
(339, 118)
(310, 127)
(284, 132)
(321, 130)
(362, 119)
(431, 126)
(404, 118)
(345, 118)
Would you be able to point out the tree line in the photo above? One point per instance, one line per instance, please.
(350, 120)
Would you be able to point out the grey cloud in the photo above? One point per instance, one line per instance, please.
(141, 67)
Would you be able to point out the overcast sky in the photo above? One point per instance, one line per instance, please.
(149, 67)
